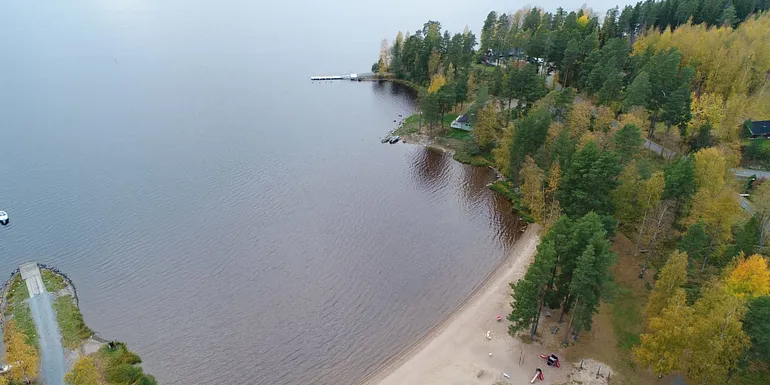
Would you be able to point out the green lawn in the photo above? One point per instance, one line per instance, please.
(411, 125)
(73, 329)
(627, 318)
(53, 282)
(119, 366)
(765, 142)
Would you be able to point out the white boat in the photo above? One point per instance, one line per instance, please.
(394, 139)
(3, 218)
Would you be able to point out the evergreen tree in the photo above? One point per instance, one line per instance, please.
(587, 183)
(695, 241)
(628, 142)
(756, 325)
(529, 135)
(680, 180)
(589, 278)
(528, 293)
(638, 93)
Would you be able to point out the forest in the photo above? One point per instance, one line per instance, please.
(621, 125)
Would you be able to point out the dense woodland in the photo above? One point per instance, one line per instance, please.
(561, 103)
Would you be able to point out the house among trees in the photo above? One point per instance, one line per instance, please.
(462, 123)
(759, 130)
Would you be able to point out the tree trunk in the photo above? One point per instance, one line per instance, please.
(533, 329)
(419, 123)
(564, 308)
(569, 325)
(653, 120)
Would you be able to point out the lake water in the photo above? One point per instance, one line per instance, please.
(230, 220)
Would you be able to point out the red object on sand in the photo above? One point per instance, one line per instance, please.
(538, 376)
(499, 318)
(551, 360)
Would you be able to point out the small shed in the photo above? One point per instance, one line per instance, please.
(462, 123)
(759, 129)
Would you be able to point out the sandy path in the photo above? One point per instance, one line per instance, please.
(457, 352)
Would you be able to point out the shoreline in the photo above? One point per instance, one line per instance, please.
(76, 339)
(437, 356)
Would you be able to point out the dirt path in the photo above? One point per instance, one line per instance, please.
(457, 352)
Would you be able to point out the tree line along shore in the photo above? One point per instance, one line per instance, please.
(669, 250)
(91, 360)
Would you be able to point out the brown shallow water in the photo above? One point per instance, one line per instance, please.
(230, 220)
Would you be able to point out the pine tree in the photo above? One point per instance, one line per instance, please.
(587, 183)
(590, 275)
(528, 293)
(628, 142)
(756, 325)
(695, 241)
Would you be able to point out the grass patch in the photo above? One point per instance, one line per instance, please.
(53, 282)
(411, 126)
(474, 160)
(119, 366)
(765, 143)
(18, 309)
(456, 134)
(73, 329)
(448, 119)
(627, 317)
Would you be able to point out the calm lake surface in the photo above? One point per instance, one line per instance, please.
(230, 220)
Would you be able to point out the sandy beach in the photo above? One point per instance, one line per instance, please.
(457, 352)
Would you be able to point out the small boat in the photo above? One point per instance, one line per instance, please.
(385, 139)
(394, 139)
(3, 218)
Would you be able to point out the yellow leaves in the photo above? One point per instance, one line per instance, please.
(502, 153)
(554, 177)
(663, 345)
(554, 129)
(604, 118)
(580, 119)
(637, 116)
(587, 137)
(17, 351)
(719, 213)
(710, 170)
(436, 82)
(83, 373)
(718, 339)
(729, 63)
(708, 108)
(749, 278)
(582, 21)
(532, 192)
(484, 132)
(671, 278)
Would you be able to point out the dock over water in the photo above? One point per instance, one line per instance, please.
(351, 76)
